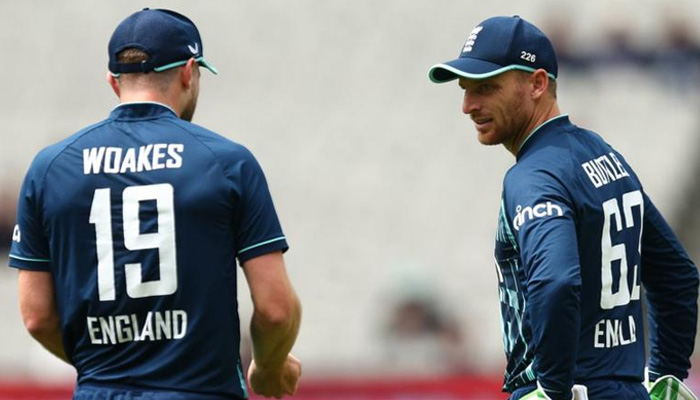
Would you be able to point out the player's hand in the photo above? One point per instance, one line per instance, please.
(670, 387)
(275, 382)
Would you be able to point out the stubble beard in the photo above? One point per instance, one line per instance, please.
(512, 121)
(188, 112)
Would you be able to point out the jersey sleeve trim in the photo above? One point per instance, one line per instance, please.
(45, 260)
(29, 264)
(262, 244)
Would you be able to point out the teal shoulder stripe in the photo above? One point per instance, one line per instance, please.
(29, 259)
(262, 244)
(240, 378)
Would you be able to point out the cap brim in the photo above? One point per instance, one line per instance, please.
(204, 63)
(200, 60)
(465, 68)
(472, 68)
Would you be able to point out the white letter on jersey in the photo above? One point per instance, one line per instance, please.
(129, 162)
(174, 151)
(592, 175)
(16, 234)
(144, 163)
(92, 330)
(92, 160)
(158, 155)
(179, 324)
(113, 159)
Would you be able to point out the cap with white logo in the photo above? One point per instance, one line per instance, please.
(169, 39)
(497, 45)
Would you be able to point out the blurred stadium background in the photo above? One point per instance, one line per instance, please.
(387, 199)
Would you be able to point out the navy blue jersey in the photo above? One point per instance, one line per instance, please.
(140, 220)
(577, 241)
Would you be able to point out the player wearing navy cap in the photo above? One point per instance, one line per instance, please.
(577, 239)
(128, 233)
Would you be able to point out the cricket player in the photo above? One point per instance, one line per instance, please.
(579, 244)
(128, 233)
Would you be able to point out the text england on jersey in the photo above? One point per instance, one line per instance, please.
(155, 326)
(612, 333)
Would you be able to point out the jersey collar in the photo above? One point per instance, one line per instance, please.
(141, 110)
(563, 117)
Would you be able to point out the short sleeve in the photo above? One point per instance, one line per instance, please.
(30, 244)
(258, 229)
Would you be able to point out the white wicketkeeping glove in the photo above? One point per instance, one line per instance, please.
(668, 387)
(578, 392)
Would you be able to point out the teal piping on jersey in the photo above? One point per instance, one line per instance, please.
(262, 244)
(199, 60)
(144, 102)
(513, 266)
(504, 336)
(29, 259)
(504, 223)
(529, 372)
(479, 76)
(538, 128)
(240, 378)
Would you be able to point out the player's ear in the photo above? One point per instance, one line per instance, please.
(539, 82)
(114, 83)
(187, 74)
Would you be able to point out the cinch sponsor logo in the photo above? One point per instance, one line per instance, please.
(541, 210)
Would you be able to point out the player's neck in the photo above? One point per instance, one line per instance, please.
(539, 117)
(149, 96)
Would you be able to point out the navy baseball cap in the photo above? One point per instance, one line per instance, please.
(497, 45)
(170, 39)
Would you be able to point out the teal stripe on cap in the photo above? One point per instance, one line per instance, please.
(478, 76)
(199, 60)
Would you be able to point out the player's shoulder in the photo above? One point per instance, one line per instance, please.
(218, 144)
(554, 153)
(550, 166)
(547, 163)
(46, 157)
